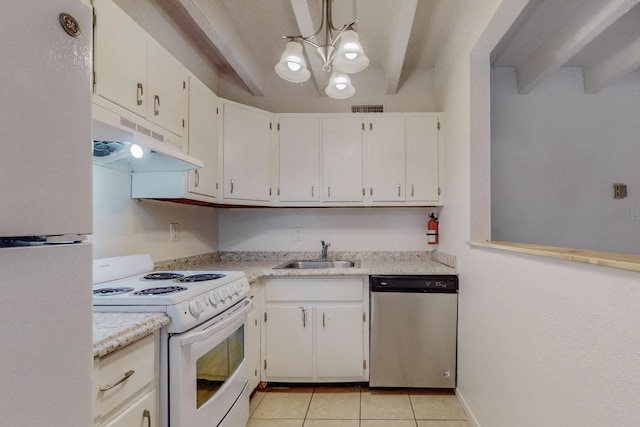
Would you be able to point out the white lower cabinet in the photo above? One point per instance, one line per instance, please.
(316, 329)
(252, 335)
(143, 413)
(125, 385)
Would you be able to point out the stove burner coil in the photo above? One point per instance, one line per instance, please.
(199, 278)
(105, 292)
(162, 275)
(160, 291)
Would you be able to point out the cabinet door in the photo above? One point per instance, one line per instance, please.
(120, 57)
(203, 137)
(167, 101)
(339, 341)
(289, 341)
(299, 159)
(422, 159)
(143, 413)
(385, 140)
(246, 149)
(342, 159)
(252, 338)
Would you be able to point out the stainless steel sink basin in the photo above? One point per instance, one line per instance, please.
(312, 263)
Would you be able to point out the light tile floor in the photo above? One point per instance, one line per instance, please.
(355, 406)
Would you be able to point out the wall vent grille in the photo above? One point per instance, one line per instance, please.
(367, 109)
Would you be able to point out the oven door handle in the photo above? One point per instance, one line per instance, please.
(199, 336)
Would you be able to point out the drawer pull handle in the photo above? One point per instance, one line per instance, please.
(125, 377)
(146, 414)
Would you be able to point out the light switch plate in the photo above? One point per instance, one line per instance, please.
(297, 234)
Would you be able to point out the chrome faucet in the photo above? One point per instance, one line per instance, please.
(325, 247)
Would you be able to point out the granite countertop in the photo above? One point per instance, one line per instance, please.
(257, 265)
(113, 331)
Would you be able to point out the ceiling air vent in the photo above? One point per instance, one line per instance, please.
(367, 109)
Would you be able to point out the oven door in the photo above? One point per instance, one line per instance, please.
(207, 371)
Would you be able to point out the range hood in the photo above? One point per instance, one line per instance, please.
(116, 131)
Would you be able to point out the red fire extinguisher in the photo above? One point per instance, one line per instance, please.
(432, 230)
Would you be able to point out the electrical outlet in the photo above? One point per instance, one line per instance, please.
(297, 234)
(173, 232)
(634, 214)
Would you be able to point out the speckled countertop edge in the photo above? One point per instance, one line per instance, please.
(114, 330)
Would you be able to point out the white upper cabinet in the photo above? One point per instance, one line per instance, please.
(203, 137)
(133, 71)
(120, 59)
(168, 94)
(299, 159)
(246, 153)
(423, 159)
(342, 159)
(385, 142)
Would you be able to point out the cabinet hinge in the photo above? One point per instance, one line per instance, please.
(438, 191)
(438, 125)
(364, 317)
(265, 316)
(364, 364)
(265, 364)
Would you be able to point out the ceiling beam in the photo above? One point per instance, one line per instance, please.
(617, 65)
(398, 44)
(574, 37)
(230, 43)
(305, 25)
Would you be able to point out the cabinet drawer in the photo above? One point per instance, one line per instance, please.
(142, 413)
(315, 289)
(138, 357)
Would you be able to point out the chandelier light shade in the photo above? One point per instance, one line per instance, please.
(292, 66)
(349, 57)
(340, 86)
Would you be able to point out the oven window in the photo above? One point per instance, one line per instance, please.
(217, 365)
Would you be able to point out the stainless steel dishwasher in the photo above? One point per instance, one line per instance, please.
(413, 331)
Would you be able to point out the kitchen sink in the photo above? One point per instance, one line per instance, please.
(313, 263)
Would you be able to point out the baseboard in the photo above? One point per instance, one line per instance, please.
(472, 419)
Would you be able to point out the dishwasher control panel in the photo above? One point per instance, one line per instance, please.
(413, 283)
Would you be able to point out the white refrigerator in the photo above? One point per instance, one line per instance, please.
(45, 213)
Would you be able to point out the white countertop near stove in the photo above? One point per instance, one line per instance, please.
(113, 331)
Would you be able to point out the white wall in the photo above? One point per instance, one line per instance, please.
(542, 342)
(415, 94)
(123, 226)
(555, 156)
(361, 229)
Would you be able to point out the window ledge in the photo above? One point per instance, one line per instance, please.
(605, 259)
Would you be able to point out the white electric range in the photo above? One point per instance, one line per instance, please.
(203, 379)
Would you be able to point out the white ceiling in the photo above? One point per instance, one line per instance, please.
(601, 36)
(243, 38)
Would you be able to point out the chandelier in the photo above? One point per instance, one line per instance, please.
(347, 59)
